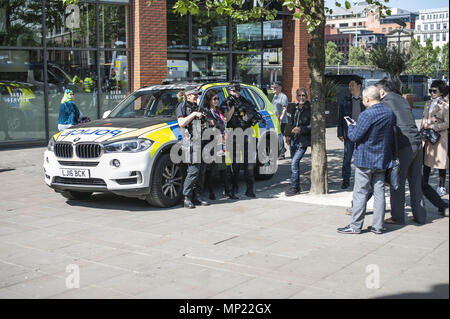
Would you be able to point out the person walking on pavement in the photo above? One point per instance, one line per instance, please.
(351, 106)
(235, 107)
(410, 156)
(280, 102)
(300, 138)
(188, 111)
(435, 117)
(69, 114)
(372, 134)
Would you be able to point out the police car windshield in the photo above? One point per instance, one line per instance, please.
(149, 103)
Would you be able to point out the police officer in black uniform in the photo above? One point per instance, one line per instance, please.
(235, 108)
(188, 111)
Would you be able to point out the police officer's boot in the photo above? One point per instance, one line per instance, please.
(228, 193)
(249, 192)
(198, 200)
(250, 180)
(188, 203)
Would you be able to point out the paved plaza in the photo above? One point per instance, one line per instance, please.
(269, 247)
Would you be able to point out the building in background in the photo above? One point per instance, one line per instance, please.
(433, 24)
(105, 49)
(400, 38)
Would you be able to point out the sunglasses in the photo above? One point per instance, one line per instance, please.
(215, 98)
(301, 95)
(433, 91)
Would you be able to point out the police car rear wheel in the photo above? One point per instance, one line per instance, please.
(76, 195)
(166, 184)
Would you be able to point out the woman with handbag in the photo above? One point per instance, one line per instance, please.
(435, 120)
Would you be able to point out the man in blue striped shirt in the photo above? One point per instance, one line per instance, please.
(372, 135)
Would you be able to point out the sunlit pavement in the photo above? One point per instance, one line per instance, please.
(269, 247)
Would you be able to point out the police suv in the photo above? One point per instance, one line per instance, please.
(128, 151)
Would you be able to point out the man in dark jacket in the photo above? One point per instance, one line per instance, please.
(351, 106)
(410, 154)
(372, 134)
(300, 138)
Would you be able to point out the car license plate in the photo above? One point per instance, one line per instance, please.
(75, 173)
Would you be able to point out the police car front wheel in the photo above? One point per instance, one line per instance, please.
(166, 184)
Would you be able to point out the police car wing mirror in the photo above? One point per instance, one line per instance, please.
(106, 114)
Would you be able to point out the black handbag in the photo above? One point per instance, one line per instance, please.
(431, 135)
(392, 175)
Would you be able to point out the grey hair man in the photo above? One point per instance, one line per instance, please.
(372, 135)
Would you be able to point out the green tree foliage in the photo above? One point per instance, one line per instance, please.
(332, 57)
(423, 60)
(357, 56)
(390, 60)
(444, 60)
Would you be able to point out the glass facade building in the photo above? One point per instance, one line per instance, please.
(47, 46)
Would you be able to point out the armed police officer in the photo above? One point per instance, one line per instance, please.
(241, 113)
(187, 114)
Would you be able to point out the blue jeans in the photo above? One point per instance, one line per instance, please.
(297, 153)
(349, 147)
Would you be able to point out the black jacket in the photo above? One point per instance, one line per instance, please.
(407, 132)
(345, 109)
(237, 120)
(302, 119)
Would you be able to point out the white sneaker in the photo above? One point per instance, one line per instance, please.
(441, 191)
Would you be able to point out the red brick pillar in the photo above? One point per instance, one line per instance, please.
(295, 57)
(149, 43)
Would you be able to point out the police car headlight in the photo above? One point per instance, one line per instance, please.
(51, 145)
(128, 146)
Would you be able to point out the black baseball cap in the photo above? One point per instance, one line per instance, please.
(194, 90)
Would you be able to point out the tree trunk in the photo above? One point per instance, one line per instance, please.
(319, 171)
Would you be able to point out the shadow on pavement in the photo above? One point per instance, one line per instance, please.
(440, 291)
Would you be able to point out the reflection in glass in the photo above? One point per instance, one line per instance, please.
(210, 66)
(112, 26)
(22, 110)
(177, 29)
(114, 79)
(178, 66)
(20, 23)
(272, 66)
(70, 25)
(74, 70)
(209, 31)
(247, 68)
(273, 30)
(247, 36)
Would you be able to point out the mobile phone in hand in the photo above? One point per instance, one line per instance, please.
(349, 120)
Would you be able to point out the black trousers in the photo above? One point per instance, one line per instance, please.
(192, 182)
(236, 167)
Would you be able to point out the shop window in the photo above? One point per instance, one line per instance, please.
(177, 29)
(70, 25)
(20, 23)
(178, 66)
(210, 67)
(113, 78)
(209, 31)
(74, 70)
(113, 26)
(22, 110)
(247, 68)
